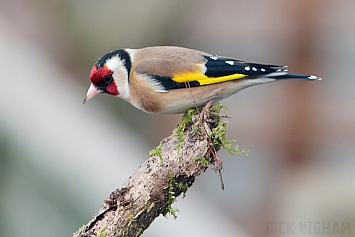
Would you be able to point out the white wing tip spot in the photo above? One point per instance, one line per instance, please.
(254, 69)
(213, 57)
(262, 69)
(230, 62)
(247, 68)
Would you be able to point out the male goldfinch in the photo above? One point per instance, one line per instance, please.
(167, 79)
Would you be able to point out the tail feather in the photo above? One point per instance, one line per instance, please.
(291, 76)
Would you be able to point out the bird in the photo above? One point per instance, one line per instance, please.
(172, 79)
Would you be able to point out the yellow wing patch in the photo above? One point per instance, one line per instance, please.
(203, 79)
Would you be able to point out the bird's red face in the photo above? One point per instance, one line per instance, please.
(101, 82)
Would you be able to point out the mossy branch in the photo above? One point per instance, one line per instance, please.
(170, 170)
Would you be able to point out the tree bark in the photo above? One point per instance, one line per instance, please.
(163, 176)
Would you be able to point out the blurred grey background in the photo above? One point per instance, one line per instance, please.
(60, 159)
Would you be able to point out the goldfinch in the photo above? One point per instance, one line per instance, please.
(168, 79)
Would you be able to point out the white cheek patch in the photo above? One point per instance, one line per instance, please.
(120, 76)
(114, 63)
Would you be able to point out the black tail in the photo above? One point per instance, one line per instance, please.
(291, 76)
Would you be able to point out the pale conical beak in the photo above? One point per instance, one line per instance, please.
(92, 92)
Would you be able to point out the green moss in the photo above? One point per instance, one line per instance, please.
(171, 210)
(102, 232)
(218, 109)
(173, 187)
(125, 229)
(170, 198)
(218, 135)
(130, 219)
(179, 131)
(203, 161)
(187, 118)
(139, 230)
(157, 151)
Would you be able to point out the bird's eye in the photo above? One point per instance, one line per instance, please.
(108, 79)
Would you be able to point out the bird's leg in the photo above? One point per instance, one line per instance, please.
(203, 119)
(217, 162)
